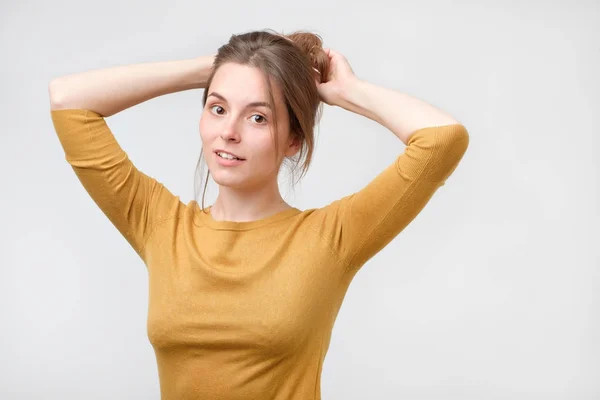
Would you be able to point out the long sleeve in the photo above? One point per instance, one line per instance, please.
(132, 201)
(359, 225)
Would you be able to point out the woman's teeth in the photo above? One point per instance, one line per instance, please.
(227, 156)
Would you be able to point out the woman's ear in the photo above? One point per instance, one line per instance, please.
(294, 146)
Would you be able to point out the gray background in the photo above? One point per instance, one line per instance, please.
(491, 293)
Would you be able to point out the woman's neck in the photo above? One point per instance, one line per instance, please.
(228, 207)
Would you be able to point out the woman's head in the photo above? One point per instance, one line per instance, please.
(261, 103)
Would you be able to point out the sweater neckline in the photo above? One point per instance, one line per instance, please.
(205, 218)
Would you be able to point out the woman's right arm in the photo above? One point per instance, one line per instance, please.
(132, 201)
(111, 90)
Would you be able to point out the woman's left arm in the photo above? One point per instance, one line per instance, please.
(359, 225)
(398, 112)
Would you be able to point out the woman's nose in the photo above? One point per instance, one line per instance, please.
(230, 130)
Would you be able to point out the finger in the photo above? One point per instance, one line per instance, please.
(335, 54)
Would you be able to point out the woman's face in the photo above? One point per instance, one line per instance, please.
(238, 119)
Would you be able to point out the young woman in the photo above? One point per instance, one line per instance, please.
(243, 294)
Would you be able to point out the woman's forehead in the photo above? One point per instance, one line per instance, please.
(242, 84)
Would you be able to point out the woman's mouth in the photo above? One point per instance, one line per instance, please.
(228, 162)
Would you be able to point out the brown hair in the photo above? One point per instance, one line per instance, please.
(293, 62)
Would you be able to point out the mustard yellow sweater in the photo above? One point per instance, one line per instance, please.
(245, 310)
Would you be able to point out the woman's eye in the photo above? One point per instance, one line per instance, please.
(217, 107)
(257, 118)
(260, 120)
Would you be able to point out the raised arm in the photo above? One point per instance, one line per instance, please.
(361, 224)
(111, 90)
(133, 201)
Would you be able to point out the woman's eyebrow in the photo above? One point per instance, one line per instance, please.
(253, 104)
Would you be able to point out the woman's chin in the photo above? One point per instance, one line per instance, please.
(229, 180)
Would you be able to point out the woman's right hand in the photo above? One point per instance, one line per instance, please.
(204, 68)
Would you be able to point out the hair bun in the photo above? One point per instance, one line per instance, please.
(312, 45)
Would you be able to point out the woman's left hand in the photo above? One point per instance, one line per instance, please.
(340, 77)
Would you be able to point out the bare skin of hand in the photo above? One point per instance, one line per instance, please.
(340, 77)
